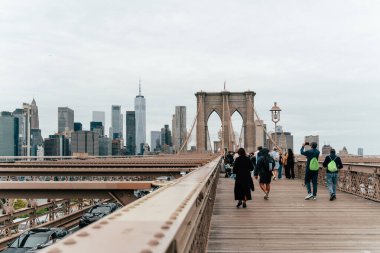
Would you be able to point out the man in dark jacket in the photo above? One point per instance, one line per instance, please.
(333, 164)
(311, 175)
(264, 168)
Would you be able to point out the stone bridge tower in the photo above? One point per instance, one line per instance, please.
(225, 103)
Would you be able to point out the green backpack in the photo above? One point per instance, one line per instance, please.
(332, 165)
(314, 164)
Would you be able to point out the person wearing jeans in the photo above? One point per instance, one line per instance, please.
(310, 175)
(333, 164)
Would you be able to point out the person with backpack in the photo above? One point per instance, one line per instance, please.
(264, 168)
(333, 164)
(312, 167)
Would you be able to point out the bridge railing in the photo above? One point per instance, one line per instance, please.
(174, 218)
(359, 179)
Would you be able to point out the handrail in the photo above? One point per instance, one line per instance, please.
(358, 179)
(175, 218)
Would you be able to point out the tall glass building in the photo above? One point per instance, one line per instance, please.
(130, 132)
(117, 122)
(140, 111)
(9, 131)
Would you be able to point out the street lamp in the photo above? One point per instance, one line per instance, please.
(275, 118)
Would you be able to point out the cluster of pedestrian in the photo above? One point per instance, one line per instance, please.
(265, 166)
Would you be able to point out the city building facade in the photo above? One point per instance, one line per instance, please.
(97, 127)
(65, 119)
(116, 122)
(166, 140)
(85, 142)
(130, 132)
(140, 115)
(56, 145)
(34, 120)
(179, 128)
(155, 141)
(9, 130)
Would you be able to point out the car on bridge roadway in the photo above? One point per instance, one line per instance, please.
(97, 212)
(36, 239)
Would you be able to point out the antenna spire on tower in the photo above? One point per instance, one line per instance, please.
(140, 87)
(224, 85)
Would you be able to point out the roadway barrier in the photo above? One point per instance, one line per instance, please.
(175, 218)
(362, 180)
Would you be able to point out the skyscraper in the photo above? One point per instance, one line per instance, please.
(85, 142)
(97, 127)
(179, 127)
(19, 114)
(155, 140)
(130, 132)
(166, 139)
(34, 121)
(99, 116)
(56, 145)
(8, 134)
(65, 119)
(140, 111)
(117, 122)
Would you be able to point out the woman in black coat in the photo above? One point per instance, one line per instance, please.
(244, 183)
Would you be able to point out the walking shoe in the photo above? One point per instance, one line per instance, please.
(309, 196)
(239, 204)
(266, 197)
(244, 205)
(314, 198)
(331, 197)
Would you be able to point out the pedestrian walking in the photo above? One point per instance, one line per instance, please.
(243, 183)
(333, 164)
(312, 167)
(288, 161)
(264, 168)
(276, 157)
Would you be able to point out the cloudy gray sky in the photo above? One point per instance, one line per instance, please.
(318, 59)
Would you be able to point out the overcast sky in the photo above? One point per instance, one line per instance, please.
(318, 59)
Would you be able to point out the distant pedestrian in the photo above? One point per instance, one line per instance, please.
(312, 167)
(257, 153)
(333, 164)
(288, 161)
(264, 168)
(276, 157)
(280, 165)
(243, 183)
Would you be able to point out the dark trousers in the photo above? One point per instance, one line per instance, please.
(289, 171)
(313, 177)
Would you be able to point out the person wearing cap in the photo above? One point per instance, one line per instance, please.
(333, 164)
(310, 175)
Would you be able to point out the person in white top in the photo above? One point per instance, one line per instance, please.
(276, 157)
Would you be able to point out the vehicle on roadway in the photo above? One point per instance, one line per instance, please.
(35, 239)
(97, 212)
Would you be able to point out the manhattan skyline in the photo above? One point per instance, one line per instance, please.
(317, 60)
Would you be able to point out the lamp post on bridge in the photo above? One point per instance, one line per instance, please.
(275, 118)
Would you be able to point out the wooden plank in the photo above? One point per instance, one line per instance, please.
(289, 223)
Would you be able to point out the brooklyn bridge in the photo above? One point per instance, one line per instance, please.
(183, 202)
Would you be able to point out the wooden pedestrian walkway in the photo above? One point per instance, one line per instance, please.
(288, 223)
